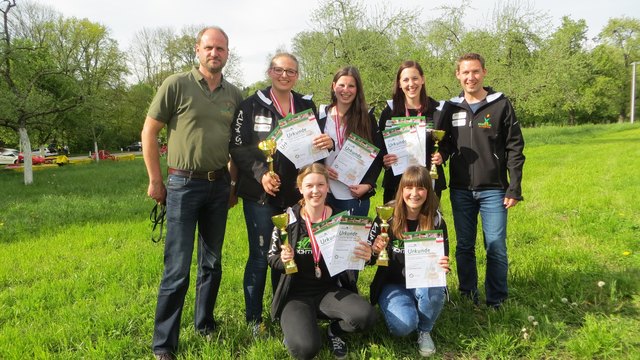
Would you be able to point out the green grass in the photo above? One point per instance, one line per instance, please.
(79, 274)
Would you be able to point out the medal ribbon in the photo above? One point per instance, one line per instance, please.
(315, 248)
(340, 130)
(292, 109)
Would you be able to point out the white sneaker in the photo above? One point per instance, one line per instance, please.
(426, 347)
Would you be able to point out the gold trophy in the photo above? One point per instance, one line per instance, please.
(436, 135)
(384, 213)
(268, 148)
(281, 221)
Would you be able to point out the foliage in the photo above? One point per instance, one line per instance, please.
(79, 274)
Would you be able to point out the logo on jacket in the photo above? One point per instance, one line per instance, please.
(487, 122)
(397, 246)
(303, 246)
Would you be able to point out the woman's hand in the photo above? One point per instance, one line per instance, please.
(322, 142)
(286, 254)
(378, 245)
(436, 159)
(362, 250)
(444, 263)
(357, 191)
(389, 160)
(271, 183)
(333, 174)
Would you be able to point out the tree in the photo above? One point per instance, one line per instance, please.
(346, 35)
(34, 85)
(623, 34)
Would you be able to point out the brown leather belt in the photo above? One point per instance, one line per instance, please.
(202, 175)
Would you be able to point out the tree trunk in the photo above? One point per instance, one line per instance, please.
(26, 152)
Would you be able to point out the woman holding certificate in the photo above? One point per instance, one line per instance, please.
(409, 100)
(311, 293)
(348, 114)
(266, 193)
(409, 309)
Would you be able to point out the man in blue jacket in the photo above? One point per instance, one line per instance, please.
(485, 146)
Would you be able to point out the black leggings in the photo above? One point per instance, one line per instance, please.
(299, 319)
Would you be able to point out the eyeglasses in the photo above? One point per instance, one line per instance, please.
(279, 71)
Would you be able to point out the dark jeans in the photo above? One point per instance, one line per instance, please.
(299, 319)
(190, 202)
(257, 218)
(465, 205)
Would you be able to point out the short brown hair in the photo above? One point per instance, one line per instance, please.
(470, 57)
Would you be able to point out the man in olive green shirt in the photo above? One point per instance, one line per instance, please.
(197, 107)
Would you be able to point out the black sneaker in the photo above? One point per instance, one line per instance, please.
(337, 346)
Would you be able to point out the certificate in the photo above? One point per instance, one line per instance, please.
(337, 237)
(354, 159)
(404, 141)
(294, 138)
(422, 250)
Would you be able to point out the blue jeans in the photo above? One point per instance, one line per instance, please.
(407, 310)
(257, 218)
(466, 205)
(190, 202)
(356, 206)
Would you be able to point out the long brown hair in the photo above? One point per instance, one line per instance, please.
(416, 176)
(357, 117)
(399, 104)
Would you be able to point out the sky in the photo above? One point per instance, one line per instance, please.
(257, 28)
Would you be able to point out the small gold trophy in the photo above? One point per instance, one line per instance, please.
(384, 213)
(268, 148)
(281, 221)
(436, 135)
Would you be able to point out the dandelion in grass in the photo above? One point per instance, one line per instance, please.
(544, 306)
(626, 253)
(535, 323)
(564, 300)
(574, 304)
(601, 284)
(531, 318)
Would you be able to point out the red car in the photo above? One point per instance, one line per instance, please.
(36, 159)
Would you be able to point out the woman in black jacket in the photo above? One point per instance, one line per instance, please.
(311, 293)
(265, 194)
(410, 99)
(408, 310)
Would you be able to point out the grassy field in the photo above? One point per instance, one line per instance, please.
(79, 273)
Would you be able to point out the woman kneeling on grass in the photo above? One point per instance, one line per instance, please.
(303, 297)
(406, 310)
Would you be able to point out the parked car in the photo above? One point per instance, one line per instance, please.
(136, 146)
(8, 156)
(35, 159)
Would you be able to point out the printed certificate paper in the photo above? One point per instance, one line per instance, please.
(404, 141)
(354, 160)
(294, 138)
(338, 237)
(422, 250)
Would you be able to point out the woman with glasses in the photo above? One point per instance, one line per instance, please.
(348, 114)
(410, 99)
(265, 194)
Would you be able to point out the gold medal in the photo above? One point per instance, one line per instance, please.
(318, 272)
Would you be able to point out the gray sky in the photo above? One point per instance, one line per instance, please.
(256, 28)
